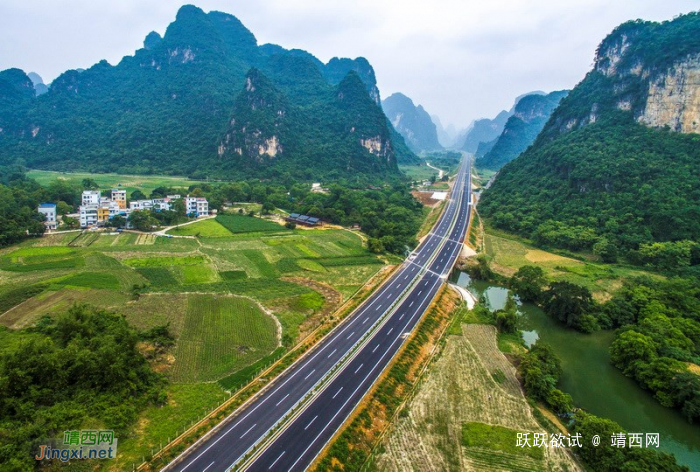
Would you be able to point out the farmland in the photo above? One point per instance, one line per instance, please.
(230, 275)
(145, 183)
(466, 414)
(235, 294)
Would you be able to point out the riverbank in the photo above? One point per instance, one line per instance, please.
(593, 382)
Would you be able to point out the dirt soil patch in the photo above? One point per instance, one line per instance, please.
(426, 198)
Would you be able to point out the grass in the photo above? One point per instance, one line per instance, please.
(229, 275)
(18, 295)
(145, 183)
(421, 173)
(508, 254)
(246, 374)
(204, 229)
(496, 438)
(246, 224)
(186, 405)
(58, 264)
(221, 335)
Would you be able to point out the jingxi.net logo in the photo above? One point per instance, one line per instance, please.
(85, 444)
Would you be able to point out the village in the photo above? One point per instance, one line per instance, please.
(97, 210)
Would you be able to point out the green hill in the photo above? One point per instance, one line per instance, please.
(521, 129)
(171, 106)
(617, 162)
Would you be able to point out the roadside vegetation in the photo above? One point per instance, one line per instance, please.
(234, 297)
(467, 410)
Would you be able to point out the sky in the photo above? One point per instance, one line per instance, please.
(460, 59)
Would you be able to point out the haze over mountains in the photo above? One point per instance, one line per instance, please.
(530, 114)
(412, 122)
(618, 159)
(204, 100)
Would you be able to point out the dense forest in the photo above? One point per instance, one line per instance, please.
(172, 106)
(595, 176)
(657, 338)
(70, 371)
(521, 129)
(614, 181)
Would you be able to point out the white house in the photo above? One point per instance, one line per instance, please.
(91, 197)
(88, 215)
(197, 206)
(48, 210)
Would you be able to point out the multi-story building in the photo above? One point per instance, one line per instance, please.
(196, 206)
(91, 197)
(119, 196)
(88, 215)
(49, 210)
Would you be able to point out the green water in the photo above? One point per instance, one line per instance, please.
(594, 383)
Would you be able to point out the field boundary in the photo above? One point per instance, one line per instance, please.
(261, 383)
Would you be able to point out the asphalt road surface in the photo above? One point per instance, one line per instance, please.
(389, 315)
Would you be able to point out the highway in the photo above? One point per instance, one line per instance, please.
(355, 353)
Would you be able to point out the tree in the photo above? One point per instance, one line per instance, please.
(142, 220)
(138, 195)
(375, 245)
(567, 302)
(290, 225)
(506, 321)
(267, 208)
(117, 221)
(560, 402)
(62, 208)
(604, 457)
(482, 269)
(606, 250)
(629, 349)
(89, 184)
(528, 283)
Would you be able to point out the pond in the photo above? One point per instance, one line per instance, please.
(593, 382)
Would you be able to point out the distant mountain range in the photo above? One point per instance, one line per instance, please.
(412, 122)
(618, 161)
(529, 117)
(447, 135)
(204, 100)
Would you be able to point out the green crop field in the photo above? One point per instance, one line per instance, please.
(212, 291)
(246, 224)
(221, 335)
(204, 229)
(145, 183)
(164, 261)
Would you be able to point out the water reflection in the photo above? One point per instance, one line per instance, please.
(592, 381)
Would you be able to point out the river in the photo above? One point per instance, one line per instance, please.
(593, 382)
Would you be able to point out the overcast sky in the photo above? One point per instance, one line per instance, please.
(460, 59)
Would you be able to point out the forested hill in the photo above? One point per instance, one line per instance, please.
(617, 164)
(175, 105)
(521, 129)
(412, 122)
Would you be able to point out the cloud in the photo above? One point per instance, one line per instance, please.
(460, 59)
